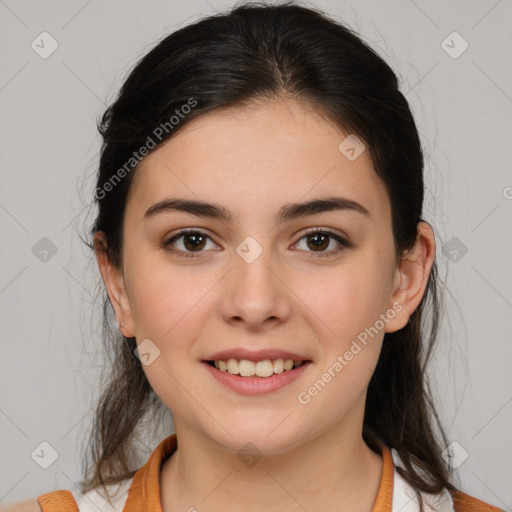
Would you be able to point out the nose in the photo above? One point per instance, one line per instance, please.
(255, 293)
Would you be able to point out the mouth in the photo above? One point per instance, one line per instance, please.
(262, 369)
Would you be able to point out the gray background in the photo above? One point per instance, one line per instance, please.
(49, 149)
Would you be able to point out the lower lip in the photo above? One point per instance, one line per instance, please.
(257, 385)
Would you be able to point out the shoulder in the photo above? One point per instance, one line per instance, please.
(94, 500)
(90, 501)
(405, 498)
(22, 506)
(463, 502)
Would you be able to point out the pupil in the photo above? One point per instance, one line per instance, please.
(196, 241)
(317, 236)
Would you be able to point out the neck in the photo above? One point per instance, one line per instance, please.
(330, 472)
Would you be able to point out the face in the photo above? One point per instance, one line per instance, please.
(258, 281)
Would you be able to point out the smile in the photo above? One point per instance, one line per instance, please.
(255, 384)
(246, 368)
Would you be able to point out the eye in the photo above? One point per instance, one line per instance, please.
(193, 242)
(319, 239)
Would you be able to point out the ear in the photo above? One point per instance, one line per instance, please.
(411, 277)
(114, 282)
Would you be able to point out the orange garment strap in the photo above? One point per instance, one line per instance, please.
(384, 501)
(58, 501)
(144, 493)
(465, 503)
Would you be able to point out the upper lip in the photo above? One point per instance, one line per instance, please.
(255, 355)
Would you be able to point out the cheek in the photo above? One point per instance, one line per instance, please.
(352, 306)
(350, 298)
(170, 309)
(350, 342)
(166, 302)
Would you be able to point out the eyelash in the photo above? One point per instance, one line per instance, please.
(345, 244)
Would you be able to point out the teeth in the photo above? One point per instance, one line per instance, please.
(278, 365)
(246, 368)
(262, 368)
(233, 366)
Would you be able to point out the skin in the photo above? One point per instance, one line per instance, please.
(252, 160)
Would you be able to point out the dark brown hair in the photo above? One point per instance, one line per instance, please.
(253, 52)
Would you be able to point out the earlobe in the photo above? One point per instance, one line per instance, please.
(114, 283)
(411, 277)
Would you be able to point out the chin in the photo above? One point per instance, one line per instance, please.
(258, 436)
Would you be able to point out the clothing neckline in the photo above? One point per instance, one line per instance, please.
(144, 492)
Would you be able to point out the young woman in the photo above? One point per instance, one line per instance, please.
(261, 241)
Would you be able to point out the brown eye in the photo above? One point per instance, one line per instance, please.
(318, 240)
(193, 241)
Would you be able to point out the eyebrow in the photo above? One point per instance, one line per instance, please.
(286, 212)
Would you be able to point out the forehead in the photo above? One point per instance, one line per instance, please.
(255, 158)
